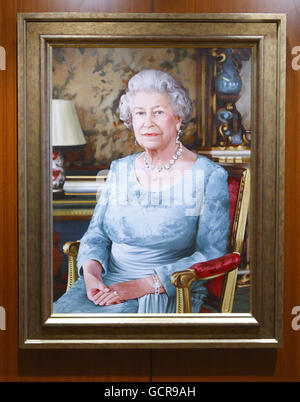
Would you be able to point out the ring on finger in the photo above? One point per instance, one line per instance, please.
(112, 295)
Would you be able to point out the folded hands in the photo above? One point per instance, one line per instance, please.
(103, 295)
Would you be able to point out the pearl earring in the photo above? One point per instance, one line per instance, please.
(179, 134)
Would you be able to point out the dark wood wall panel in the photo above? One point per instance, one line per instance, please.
(100, 6)
(143, 365)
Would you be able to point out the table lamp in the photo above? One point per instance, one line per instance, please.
(66, 131)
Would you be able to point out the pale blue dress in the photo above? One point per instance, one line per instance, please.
(135, 233)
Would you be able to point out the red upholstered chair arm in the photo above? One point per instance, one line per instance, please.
(218, 266)
(200, 271)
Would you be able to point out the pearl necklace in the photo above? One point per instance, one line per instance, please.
(155, 170)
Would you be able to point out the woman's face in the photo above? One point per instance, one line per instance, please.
(154, 123)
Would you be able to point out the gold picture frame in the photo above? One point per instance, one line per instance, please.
(265, 35)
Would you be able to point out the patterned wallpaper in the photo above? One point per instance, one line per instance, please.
(95, 78)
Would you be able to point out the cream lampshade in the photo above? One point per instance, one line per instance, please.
(65, 131)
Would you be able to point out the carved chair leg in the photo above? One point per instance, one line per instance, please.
(72, 277)
(71, 249)
(183, 300)
(182, 280)
(229, 291)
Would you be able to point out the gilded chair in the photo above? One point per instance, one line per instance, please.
(220, 273)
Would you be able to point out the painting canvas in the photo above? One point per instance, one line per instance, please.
(218, 81)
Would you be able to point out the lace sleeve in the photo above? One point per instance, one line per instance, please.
(95, 244)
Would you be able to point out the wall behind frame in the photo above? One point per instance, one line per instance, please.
(143, 365)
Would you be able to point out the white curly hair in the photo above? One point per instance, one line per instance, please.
(157, 81)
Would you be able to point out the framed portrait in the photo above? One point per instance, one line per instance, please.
(179, 266)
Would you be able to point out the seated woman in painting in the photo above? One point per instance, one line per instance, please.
(162, 210)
